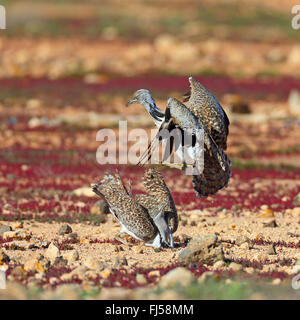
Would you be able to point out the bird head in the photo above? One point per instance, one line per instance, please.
(143, 97)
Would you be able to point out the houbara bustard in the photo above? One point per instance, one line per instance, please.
(145, 218)
(200, 111)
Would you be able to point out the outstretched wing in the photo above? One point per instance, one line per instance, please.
(178, 116)
(209, 111)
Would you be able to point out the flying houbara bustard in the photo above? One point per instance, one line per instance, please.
(199, 110)
(151, 218)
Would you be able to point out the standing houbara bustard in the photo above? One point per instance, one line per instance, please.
(151, 217)
(199, 110)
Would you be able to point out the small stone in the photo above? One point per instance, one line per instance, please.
(154, 273)
(204, 250)
(71, 255)
(73, 236)
(29, 265)
(264, 207)
(241, 239)
(245, 246)
(295, 211)
(271, 250)
(141, 279)
(249, 270)
(93, 264)
(4, 228)
(270, 224)
(100, 207)
(205, 276)
(276, 281)
(219, 264)
(52, 252)
(180, 277)
(236, 267)
(296, 201)
(294, 106)
(65, 229)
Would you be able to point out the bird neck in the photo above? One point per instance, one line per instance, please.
(156, 114)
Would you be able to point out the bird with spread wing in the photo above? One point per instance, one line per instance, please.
(199, 112)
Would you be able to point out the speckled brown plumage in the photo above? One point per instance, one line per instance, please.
(201, 111)
(158, 194)
(213, 178)
(124, 208)
(208, 110)
(216, 172)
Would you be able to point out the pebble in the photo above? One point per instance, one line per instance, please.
(65, 229)
(219, 264)
(180, 277)
(4, 228)
(276, 281)
(249, 270)
(154, 273)
(271, 250)
(73, 236)
(236, 267)
(71, 255)
(296, 201)
(29, 265)
(205, 250)
(52, 252)
(141, 279)
(241, 239)
(245, 246)
(93, 264)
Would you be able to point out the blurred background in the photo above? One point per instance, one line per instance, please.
(73, 63)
